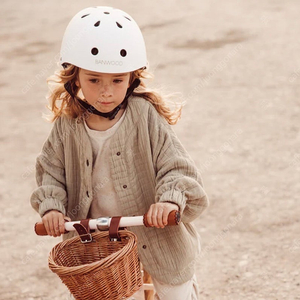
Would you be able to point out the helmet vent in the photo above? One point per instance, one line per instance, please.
(119, 25)
(107, 13)
(97, 24)
(123, 52)
(127, 18)
(94, 51)
(85, 16)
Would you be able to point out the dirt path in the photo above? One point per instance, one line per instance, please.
(237, 65)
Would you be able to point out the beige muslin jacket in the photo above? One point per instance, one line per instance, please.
(148, 164)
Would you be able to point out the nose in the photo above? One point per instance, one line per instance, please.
(106, 91)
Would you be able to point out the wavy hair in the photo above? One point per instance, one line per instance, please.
(62, 103)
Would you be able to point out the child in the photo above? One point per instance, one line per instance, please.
(112, 151)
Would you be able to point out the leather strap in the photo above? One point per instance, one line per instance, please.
(114, 229)
(83, 230)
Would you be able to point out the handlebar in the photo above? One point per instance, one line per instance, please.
(103, 223)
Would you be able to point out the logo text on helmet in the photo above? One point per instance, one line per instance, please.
(109, 62)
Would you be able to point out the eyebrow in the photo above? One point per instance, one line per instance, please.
(99, 75)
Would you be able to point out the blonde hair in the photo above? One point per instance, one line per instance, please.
(62, 103)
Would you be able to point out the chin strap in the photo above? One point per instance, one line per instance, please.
(112, 114)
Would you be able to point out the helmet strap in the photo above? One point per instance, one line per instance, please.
(109, 115)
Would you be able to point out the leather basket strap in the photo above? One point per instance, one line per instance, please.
(83, 230)
(114, 229)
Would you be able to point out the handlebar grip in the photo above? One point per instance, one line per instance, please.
(40, 229)
(173, 218)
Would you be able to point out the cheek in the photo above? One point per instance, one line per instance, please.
(125, 85)
(85, 91)
(88, 88)
(123, 89)
(118, 88)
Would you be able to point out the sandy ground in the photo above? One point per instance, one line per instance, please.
(237, 65)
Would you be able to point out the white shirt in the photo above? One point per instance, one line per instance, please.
(105, 200)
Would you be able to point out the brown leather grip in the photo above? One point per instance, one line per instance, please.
(173, 218)
(40, 229)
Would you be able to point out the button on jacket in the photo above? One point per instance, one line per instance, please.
(148, 164)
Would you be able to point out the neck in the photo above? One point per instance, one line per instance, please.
(99, 123)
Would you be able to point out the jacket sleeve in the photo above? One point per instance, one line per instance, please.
(50, 175)
(177, 178)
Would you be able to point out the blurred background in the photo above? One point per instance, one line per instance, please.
(237, 66)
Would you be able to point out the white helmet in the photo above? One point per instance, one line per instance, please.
(103, 39)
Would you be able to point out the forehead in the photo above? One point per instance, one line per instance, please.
(104, 75)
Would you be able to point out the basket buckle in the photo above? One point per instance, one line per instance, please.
(86, 238)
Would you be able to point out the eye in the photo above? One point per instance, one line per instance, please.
(118, 80)
(94, 80)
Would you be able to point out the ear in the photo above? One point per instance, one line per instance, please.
(77, 83)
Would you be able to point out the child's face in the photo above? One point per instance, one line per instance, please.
(104, 91)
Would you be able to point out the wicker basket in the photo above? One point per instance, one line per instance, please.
(101, 269)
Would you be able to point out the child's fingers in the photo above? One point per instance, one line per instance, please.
(52, 221)
(149, 216)
(159, 216)
(47, 227)
(152, 216)
(158, 213)
(55, 228)
(51, 227)
(165, 217)
(155, 215)
(48, 223)
(61, 224)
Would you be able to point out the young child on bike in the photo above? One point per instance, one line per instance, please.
(112, 150)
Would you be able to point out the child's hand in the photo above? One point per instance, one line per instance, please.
(54, 222)
(157, 215)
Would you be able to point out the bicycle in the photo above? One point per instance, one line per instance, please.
(108, 255)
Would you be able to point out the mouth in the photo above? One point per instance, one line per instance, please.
(104, 103)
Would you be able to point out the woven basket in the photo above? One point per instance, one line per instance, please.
(101, 269)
